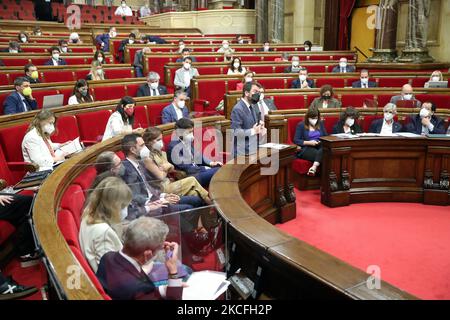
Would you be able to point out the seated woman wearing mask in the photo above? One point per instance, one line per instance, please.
(74, 38)
(387, 125)
(307, 137)
(248, 77)
(122, 120)
(80, 93)
(23, 37)
(100, 57)
(106, 207)
(157, 164)
(326, 99)
(347, 122)
(96, 72)
(236, 67)
(435, 77)
(36, 145)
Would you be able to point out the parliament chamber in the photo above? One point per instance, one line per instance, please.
(305, 158)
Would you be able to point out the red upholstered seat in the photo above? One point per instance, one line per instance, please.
(15, 62)
(355, 100)
(67, 129)
(67, 94)
(87, 268)
(11, 142)
(301, 166)
(383, 99)
(6, 230)
(212, 91)
(334, 82)
(419, 82)
(4, 80)
(272, 83)
(109, 92)
(5, 172)
(154, 113)
(132, 89)
(68, 227)
(140, 117)
(292, 127)
(166, 140)
(119, 73)
(92, 125)
(58, 76)
(40, 94)
(392, 82)
(329, 122)
(85, 179)
(442, 101)
(73, 201)
(262, 69)
(157, 64)
(289, 102)
(81, 74)
(367, 120)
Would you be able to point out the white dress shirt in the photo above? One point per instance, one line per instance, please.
(178, 111)
(120, 11)
(115, 126)
(96, 240)
(35, 150)
(22, 98)
(387, 128)
(136, 166)
(154, 92)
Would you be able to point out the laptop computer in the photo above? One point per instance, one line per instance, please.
(53, 101)
(438, 84)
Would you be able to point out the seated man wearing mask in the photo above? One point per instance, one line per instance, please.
(152, 88)
(177, 109)
(31, 73)
(184, 75)
(182, 155)
(123, 10)
(21, 100)
(303, 82)
(138, 62)
(55, 60)
(387, 125)
(343, 67)
(295, 67)
(13, 47)
(103, 39)
(406, 95)
(364, 81)
(131, 40)
(426, 122)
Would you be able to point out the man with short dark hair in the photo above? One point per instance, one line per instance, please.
(31, 73)
(303, 82)
(246, 121)
(55, 59)
(364, 81)
(182, 155)
(177, 109)
(131, 40)
(13, 47)
(426, 122)
(343, 67)
(64, 46)
(21, 100)
(186, 52)
(184, 75)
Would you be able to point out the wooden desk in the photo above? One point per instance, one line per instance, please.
(385, 170)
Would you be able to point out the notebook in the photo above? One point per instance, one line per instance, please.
(438, 84)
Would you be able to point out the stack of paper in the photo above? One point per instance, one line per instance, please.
(205, 285)
(275, 146)
(72, 147)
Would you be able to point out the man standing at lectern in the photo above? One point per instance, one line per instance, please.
(246, 121)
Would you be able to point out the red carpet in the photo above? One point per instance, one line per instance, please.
(409, 242)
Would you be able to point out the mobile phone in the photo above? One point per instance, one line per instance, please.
(169, 254)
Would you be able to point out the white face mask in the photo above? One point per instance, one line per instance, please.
(187, 66)
(248, 79)
(39, 34)
(13, 51)
(113, 34)
(343, 64)
(408, 96)
(350, 122)
(181, 104)
(55, 56)
(295, 63)
(241, 41)
(424, 113)
(48, 128)
(124, 5)
(130, 41)
(182, 46)
(266, 48)
(364, 80)
(226, 46)
(435, 79)
(313, 122)
(302, 78)
(158, 145)
(123, 214)
(145, 153)
(154, 85)
(64, 49)
(261, 97)
(388, 116)
(236, 65)
(189, 137)
(23, 39)
(100, 59)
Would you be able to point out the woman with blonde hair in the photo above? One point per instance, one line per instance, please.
(435, 77)
(161, 169)
(106, 208)
(37, 147)
(97, 72)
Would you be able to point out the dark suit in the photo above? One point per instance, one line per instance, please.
(309, 153)
(184, 159)
(242, 121)
(122, 47)
(347, 69)
(156, 39)
(13, 104)
(339, 128)
(179, 60)
(291, 70)
(122, 281)
(169, 114)
(262, 50)
(103, 38)
(358, 84)
(297, 85)
(31, 80)
(415, 125)
(144, 91)
(377, 125)
(61, 62)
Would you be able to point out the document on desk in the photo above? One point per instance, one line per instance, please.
(408, 135)
(73, 147)
(345, 136)
(275, 146)
(205, 285)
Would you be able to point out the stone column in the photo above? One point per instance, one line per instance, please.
(386, 40)
(262, 21)
(416, 50)
(277, 9)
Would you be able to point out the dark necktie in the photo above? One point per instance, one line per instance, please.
(153, 92)
(252, 111)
